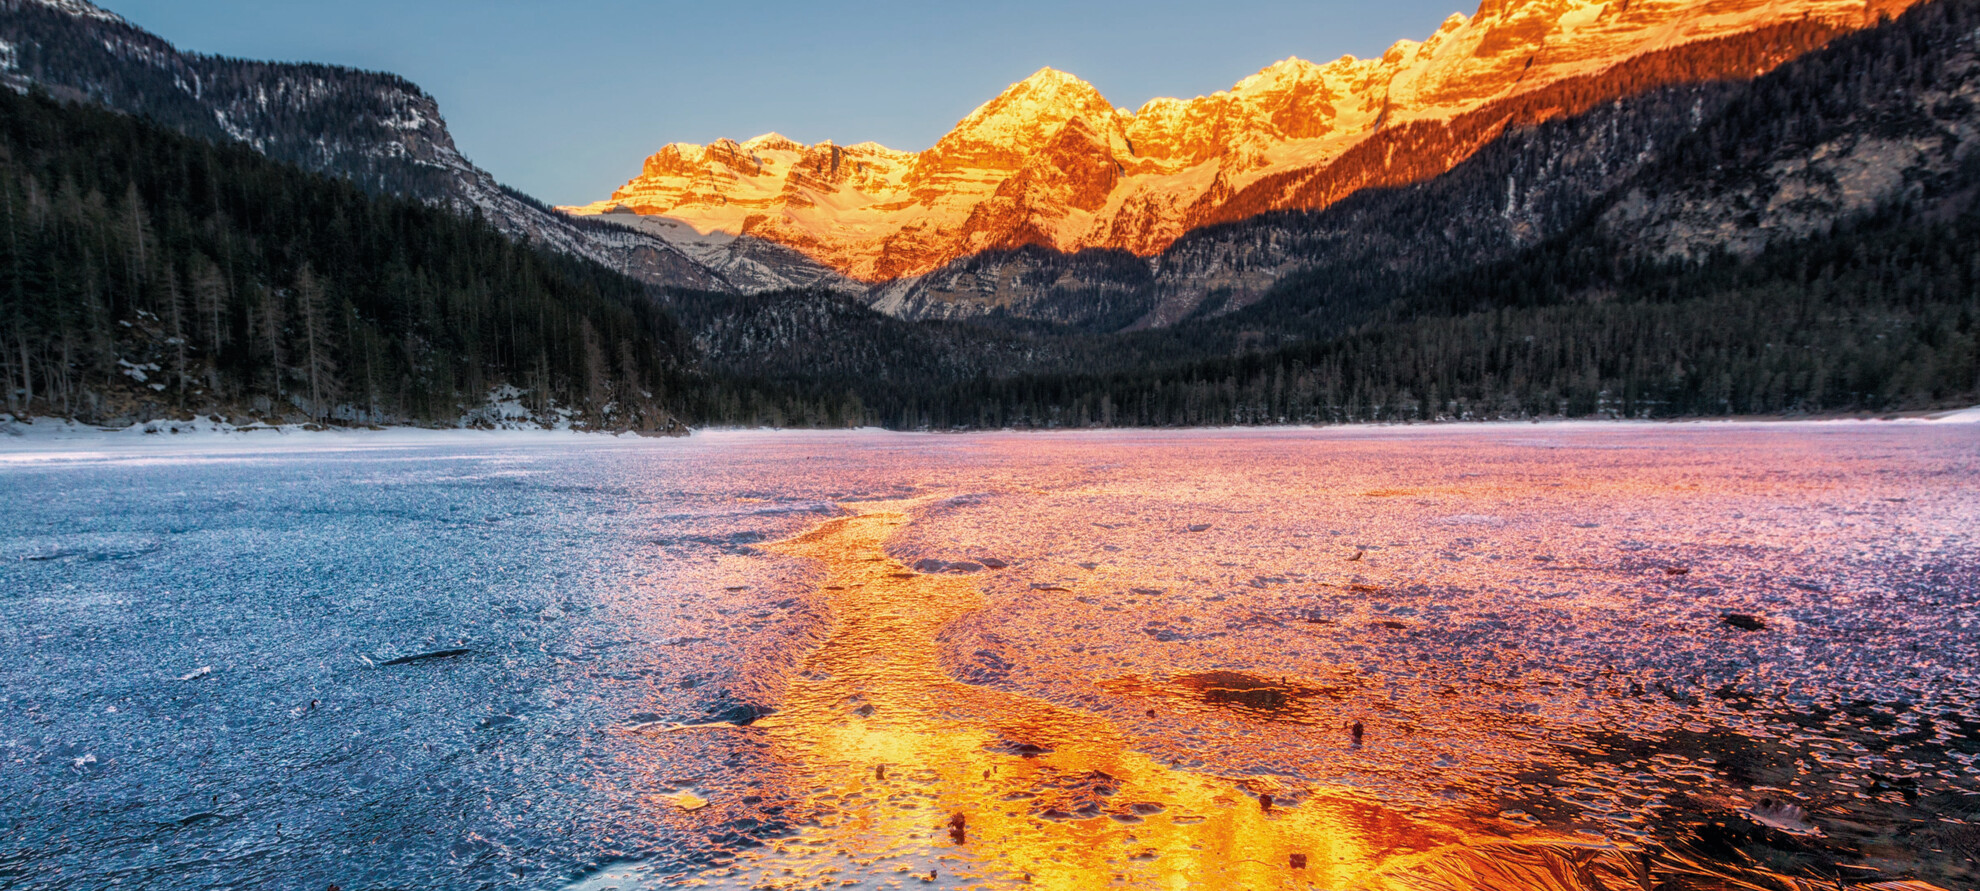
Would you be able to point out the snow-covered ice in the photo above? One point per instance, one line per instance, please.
(538, 659)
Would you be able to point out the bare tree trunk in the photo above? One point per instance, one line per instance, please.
(27, 371)
(25, 404)
(209, 300)
(13, 392)
(175, 317)
(248, 318)
(318, 365)
(597, 376)
(630, 378)
(310, 340)
(271, 335)
(68, 386)
(541, 392)
(137, 239)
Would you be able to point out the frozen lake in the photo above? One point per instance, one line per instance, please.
(1548, 656)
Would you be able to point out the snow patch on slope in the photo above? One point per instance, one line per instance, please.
(79, 9)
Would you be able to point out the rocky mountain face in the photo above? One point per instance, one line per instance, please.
(1052, 163)
(377, 130)
(1628, 167)
(1528, 184)
(1889, 121)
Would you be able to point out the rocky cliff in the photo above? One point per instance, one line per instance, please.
(1051, 162)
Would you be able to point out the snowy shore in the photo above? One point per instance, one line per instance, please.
(53, 440)
(47, 439)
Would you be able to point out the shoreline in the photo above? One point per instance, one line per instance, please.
(53, 438)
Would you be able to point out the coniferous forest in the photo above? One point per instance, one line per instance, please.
(1879, 316)
(149, 274)
(1875, 318)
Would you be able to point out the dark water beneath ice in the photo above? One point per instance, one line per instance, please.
(1706, 656)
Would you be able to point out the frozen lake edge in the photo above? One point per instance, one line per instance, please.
(50, 440)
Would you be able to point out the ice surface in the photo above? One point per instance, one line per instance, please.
(656, 682)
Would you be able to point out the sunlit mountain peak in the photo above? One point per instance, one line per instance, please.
(1050, 161)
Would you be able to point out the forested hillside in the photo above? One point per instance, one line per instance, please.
(1880, 315)
(819, 358)
(371, 128)
(1877, 318)
(144, 274)
(377, 130)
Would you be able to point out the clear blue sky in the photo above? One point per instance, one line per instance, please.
(564, 98)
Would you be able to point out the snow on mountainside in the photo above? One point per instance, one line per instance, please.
(1052, 162)
(81, 9)
(380, 131)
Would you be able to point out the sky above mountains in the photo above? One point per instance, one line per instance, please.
(563, 99)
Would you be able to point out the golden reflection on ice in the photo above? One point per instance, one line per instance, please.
(923, 779)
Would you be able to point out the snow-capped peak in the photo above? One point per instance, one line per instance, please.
(1043, 101)
(1278, 75)
(1051, 158)
(772, 141)
(78, 8)
(1048, 78)
(1046, 89)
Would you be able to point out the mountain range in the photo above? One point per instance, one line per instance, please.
(1048, 163)
(1052, 163)
(1052, 247)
